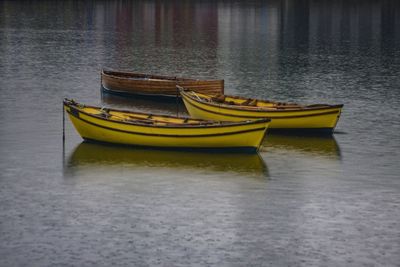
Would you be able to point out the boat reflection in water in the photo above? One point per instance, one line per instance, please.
(310, 145)
(308, 156)
(145, 104)
(107, 156)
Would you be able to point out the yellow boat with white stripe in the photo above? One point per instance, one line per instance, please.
(147, 130)
(319, 118)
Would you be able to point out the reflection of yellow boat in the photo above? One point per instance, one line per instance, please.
(139, 129)
(321, 146)
(320, 118)
(95, 154)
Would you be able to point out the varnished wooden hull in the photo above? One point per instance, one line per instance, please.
(129, 83)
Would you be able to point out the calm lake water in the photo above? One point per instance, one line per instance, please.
(303, 201)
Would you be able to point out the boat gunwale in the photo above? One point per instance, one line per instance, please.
(139, 94)
(185, 92)
(161, 78)
(215, 124)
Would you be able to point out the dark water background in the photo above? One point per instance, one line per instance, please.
(303, 201)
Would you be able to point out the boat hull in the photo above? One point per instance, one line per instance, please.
(244, 137)
(317, 120)
(129, 83)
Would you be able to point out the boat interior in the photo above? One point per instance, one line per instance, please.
(251, 103)
(142, 118)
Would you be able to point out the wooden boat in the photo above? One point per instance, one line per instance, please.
(141, 129)
(129, 83)
(285, 117)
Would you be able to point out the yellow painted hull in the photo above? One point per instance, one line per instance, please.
(165, 131)
(316, 118)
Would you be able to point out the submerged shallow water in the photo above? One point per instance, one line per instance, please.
(301, 201)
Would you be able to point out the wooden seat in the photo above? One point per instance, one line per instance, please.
(218, 98)
(253, 103)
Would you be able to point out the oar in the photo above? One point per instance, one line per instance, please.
(63, 138)
(63, 112)
(177, 104)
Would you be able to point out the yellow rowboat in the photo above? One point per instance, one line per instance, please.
(147, 130)
(291, 117)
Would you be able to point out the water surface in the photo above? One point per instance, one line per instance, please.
(302, 201)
